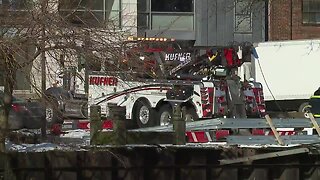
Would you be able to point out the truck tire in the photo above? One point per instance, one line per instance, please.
(53, 114)
(191, 115)
(144, 114)
(305, 109)
(164, 116)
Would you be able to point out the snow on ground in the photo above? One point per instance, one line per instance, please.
(77, 140)
(78, 133)
(36, 147)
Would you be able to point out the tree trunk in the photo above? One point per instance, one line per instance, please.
(9, 79)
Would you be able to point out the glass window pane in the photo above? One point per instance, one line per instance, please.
(142, 21)
(116, 5)
(305, 18)
(305, 6)
(172, 22)
(312, 18)
(114, 19)
(16, 4)
(92, 4)
(69, 4)
(114, 15)
(87, 18)
(98, 16)
(243, 7)
(97, 4)
(243, 24)
(317, 18)
(81, 4)
(142, 6)
(172, 5)
(313, 7)
(93, 12)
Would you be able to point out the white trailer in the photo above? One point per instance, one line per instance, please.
(289, 73)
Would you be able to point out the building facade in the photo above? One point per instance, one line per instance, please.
(206, 22)
(294, 19)
(120, 15)
(192, 22)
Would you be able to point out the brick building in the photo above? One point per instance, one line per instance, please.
(294, 19)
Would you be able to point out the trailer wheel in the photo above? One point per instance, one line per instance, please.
(144, 114)
(191, 115)
(53, 113)
(165, 115)
(305, 109)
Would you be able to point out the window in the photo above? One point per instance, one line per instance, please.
(172, 5)
(115, 15)
(311, 12)
(143, 15)
(177, 15)
(15, 5)
(14, 11)
(172, 22)
(91, 12)
(243, 16)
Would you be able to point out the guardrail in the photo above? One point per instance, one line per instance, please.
(176, 132)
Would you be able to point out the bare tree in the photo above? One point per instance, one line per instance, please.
(53, 34)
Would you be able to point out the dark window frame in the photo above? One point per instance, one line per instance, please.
(90, 14)
(15, 5)
(307, 14)
(243, 15)
(169, 6)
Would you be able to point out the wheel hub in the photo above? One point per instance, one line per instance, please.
(49, 114)
(165, 118)
(144, 115)
(189, 118)
(306, 110)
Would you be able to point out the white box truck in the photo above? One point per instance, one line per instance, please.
(289, 72)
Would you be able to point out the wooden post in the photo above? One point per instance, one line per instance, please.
(43, 67)
(314, 122)
(95, 123)
(179, 126)
(118, 116)
(275, 132)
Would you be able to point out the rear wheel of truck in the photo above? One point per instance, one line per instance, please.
(144, 114)
(165, 115)
(305, 109)
(191, 114)
(53, 114)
